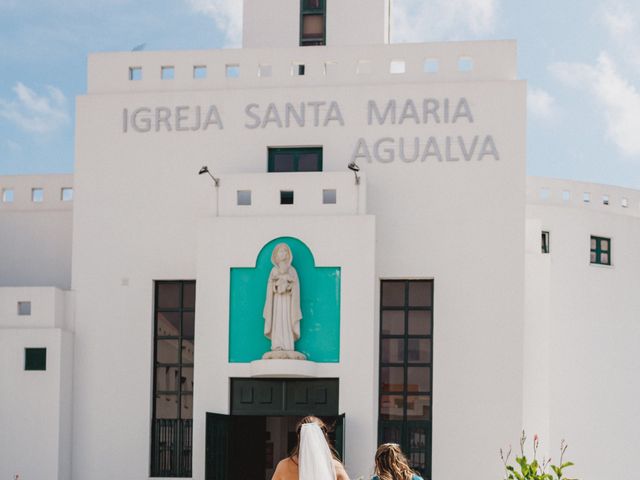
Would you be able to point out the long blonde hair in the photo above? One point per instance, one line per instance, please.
(391, 464)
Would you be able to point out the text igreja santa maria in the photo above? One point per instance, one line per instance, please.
(328, 113)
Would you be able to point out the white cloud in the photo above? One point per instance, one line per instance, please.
(621, 20)
(422, 20)
(615, 95)
(13, 146)
(541, 104)
(227, 14)
(35, 113)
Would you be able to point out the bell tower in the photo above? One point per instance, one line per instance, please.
(292, 23)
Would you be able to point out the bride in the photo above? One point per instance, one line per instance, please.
(312, 458)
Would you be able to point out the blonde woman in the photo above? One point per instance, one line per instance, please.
(391, 464)
(313, 458)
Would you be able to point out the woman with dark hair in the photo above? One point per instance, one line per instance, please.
(391, 464)
(313, 458)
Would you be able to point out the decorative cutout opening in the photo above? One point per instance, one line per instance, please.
(199, 72)
(244, 197)
(329, 196)
(24, 309)
(232, 70)
(66, 194)
(7, 195)
(135, 73)
(167, 73)
(37, 195)
(286, 197)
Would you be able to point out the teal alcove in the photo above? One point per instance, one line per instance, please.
(319, 301)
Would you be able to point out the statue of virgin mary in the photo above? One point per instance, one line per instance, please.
(282, 312)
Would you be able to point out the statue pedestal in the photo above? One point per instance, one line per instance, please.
(283, 368)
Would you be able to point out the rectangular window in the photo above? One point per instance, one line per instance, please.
(312, 22)
(406, 358)
(35, 359)
(295, 159)
(600, 250)
(171, 430)
(545, 242)
(7, 195)
(37, 195)
(24, 309)
(66, 194)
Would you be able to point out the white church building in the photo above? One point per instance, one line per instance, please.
(447, 300)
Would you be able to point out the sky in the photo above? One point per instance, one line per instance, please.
(581, 59)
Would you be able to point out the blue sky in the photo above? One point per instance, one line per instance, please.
(580, 57)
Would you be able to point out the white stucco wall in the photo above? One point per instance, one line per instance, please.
(589, 360)
(35, 245)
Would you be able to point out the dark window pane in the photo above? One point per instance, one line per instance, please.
(167, 379)
(419, 350)
(312, 4)
(393, 322)
(417, 460)
(167, 351)
(417, 438)
(35, 359)
(187, 407)
(392, 294)
(391, 433)
(283, 162)
(168, 324)
(188, 319)
(189, 295)
(392, 379)
(187, 351)
(166, 406)
(419, 379)
(418, 407)
(187, 379)
(391, 407)
(392, 350)
(419, 322)
(312, 26)
(309, 162)
(286, 197)
(420, 294)
(169, 295)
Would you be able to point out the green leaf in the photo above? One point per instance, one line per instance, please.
(566, 464)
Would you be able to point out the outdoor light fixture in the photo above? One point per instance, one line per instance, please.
(355, 169)
(205, 169)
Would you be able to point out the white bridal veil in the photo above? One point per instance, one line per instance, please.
(314, 456)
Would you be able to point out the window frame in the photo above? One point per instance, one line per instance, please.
(598, 251)
(297, 152)
(545, 247)
(321, 10)
(183, 430)
(405, 426)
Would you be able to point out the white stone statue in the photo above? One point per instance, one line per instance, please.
(282, 312)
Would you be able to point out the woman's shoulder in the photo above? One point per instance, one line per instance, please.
(416, 477)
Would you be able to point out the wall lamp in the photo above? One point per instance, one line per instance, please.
(205, 169)
(355, 169)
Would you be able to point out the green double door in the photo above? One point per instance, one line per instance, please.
(260, 431)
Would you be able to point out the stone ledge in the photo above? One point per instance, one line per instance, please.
(283, 368)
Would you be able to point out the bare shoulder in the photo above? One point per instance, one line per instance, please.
(285, 470)
(341, 473)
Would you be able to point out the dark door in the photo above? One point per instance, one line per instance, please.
(248, 440)
(217, 447)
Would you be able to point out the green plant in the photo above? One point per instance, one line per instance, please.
(534, 470)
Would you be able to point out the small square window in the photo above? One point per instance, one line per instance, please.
(199, 72)
(431, 65)
(37, 195)
(232, 70)
(329, 196)
(586, 197)
(600, 250)
(66, 194)
(264, 70)
(297, 69)
(605, 199)
(7, 195)
(465, 64)
(24, 308)
(397, 66)
(545, 242)
(135, 73)
(35, 359)
(364, 67)
(286, 197)
(167, 73)
(566, 195)
(244, 197)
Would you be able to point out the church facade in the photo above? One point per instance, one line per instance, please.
(437, 297)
